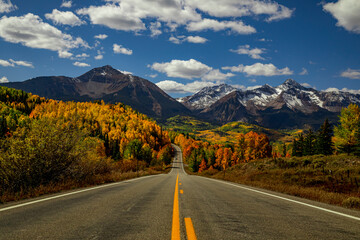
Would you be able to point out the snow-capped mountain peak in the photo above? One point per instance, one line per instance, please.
(207, 96)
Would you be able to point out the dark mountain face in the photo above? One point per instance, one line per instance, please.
(110, 85)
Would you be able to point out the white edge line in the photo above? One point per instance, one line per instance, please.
(72, 193)
(287, 199)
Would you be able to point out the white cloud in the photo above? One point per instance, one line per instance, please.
(6, 6)
(215, 25)
(101, 36)
(176, 87)
(259, 69)
(81, 64)
(6, 63)
(4, 80)
(121, 50)
(191, 39)
(235, 8)
(351, 73)
(155, 29)
(13, 63)
(83, 55)
(190, 69)
(304, 72)
(66, 4)
(64, 18)
(22, 63)
(346, 13)
(64, 54)
(196, 39)
(99, 57)
(253, 53)
(153, 75)
(216, 75)
(183, 69)
(31, 31)
(174, 40)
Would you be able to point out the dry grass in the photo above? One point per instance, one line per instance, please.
(329, 179)
(114, 176)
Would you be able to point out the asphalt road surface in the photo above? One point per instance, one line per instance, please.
(173, 206)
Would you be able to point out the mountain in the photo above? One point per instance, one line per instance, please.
(108, 84)
(206, 96)
(288, 105)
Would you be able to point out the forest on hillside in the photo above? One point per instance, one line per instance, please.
(46, 143)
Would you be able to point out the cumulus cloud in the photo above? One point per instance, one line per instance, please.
(183, 69)
(6, 63)
(190, 69)
(22, 63)
(351, 73)
(346, 13)
(13, 63)
(129, 15)
(101, 36)
(6, 6)
(4, 80)
(65, 54)
(233, 8)
(176, 87)
(196, 39)
(29, 30)
(81, 64)
(259, 69)
(215, 25)
(64, 18)
(66, 4)
(190, 39)
(216, 75)
(155, 29)
(99, 57)
(83, 55)
(121, 50)
(304, 72)
(246, 50)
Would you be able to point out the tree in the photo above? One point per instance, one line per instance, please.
(309, 143)
(324, 144)
(345, 133)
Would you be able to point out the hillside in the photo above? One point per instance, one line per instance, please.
(48, 145)
(108, 84)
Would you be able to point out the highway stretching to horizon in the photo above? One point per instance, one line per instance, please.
(175, 206)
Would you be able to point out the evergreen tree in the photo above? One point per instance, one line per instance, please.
(309, 144)
(324, 144)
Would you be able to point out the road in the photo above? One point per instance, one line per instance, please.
(155, 207)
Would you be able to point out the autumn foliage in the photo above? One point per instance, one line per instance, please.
(47, 142)
(200, 155)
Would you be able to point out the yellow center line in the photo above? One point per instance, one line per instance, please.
(190, 232)
(181, 191)
(175, 232)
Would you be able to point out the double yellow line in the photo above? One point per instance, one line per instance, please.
(175, 233)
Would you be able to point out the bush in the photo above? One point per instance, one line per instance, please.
(351, 202)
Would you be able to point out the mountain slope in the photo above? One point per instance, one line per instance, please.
(110, 85)
(288, 105)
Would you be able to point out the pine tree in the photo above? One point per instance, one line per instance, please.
(309, 144)
(324, 144)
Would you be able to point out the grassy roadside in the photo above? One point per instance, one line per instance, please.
(115, 176)
(329, 179)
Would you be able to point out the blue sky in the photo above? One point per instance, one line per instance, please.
(184, 45)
